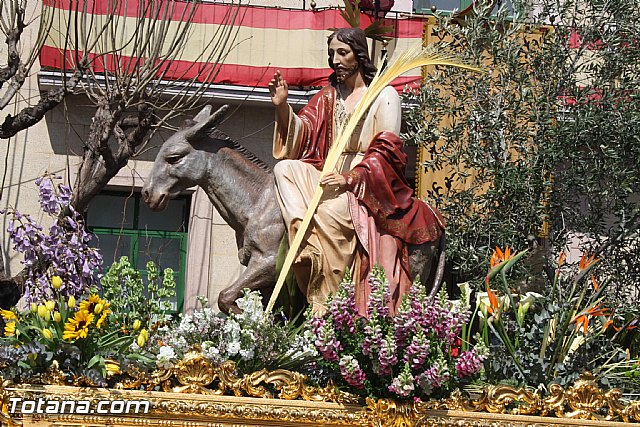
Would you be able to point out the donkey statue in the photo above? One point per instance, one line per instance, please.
(241, 187)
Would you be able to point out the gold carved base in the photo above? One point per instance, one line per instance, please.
(168, 409)
(194, 393)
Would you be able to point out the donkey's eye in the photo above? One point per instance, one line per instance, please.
(172, 160)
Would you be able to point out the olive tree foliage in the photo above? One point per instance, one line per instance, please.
(544, 147)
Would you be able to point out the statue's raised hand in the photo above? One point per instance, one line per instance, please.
(278, 89)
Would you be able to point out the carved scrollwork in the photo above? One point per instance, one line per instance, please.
(388, 413)
(5, 416)
(195, 374)
(583, 400)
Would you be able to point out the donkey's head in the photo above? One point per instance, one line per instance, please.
(180, 163)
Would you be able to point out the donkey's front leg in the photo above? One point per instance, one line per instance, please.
(259, 274)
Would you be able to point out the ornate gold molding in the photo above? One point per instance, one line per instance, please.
(195, 374)
(584, 401)
(198, 393)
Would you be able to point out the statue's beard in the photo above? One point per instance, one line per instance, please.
(343, 73)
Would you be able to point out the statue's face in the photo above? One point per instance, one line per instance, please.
(343, 59)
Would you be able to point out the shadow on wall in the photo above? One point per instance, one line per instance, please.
(69, 124)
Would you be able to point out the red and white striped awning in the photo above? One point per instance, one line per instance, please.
(269, 39)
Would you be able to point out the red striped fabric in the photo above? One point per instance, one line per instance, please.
(239, 69)
(252, 16)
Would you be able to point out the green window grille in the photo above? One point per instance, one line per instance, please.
(125, 226)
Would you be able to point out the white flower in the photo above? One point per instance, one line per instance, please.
(247, 354)
(165, 357)
(211, 352)
(233, 348)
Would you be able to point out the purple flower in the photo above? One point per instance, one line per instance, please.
(387, 357)
(434, 377)
(378, 304)
(469, 363)
(373, 337)
(326, 341)
(418, 351)
(63, 251)
(352, 372)
(343, 308)
(403, 384)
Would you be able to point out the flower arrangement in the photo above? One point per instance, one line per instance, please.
(253, 339)
(63, 252)
(413, 354)
(77, 334)
(136, 300)
(552, 336)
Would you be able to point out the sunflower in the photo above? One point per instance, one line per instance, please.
(78, 327)
(103, 315)
(8, 315)
(10, 329)
(90, 303)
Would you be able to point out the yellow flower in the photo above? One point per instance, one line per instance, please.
(8, 315)
(43, 312)
(10, 329)
(34, 308)
(105, 312)
(90, 303)
(98, 308)
(50, 305)
(136, 324)
(142, 337)
(56, 282)
(47, 333)
(112, 367)
(78, 327)
(57, 317)
(72, 302)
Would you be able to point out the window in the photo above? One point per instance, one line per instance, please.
(444, 6)
(125, 226)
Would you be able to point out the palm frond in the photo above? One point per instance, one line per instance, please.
(376, 30)
(350, 13)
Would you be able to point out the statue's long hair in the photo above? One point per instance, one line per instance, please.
(356, 39)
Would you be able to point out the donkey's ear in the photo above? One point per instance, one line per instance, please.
(203, 115)
(209, 122)
(216, 118)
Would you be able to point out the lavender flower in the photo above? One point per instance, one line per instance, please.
(64, 251)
